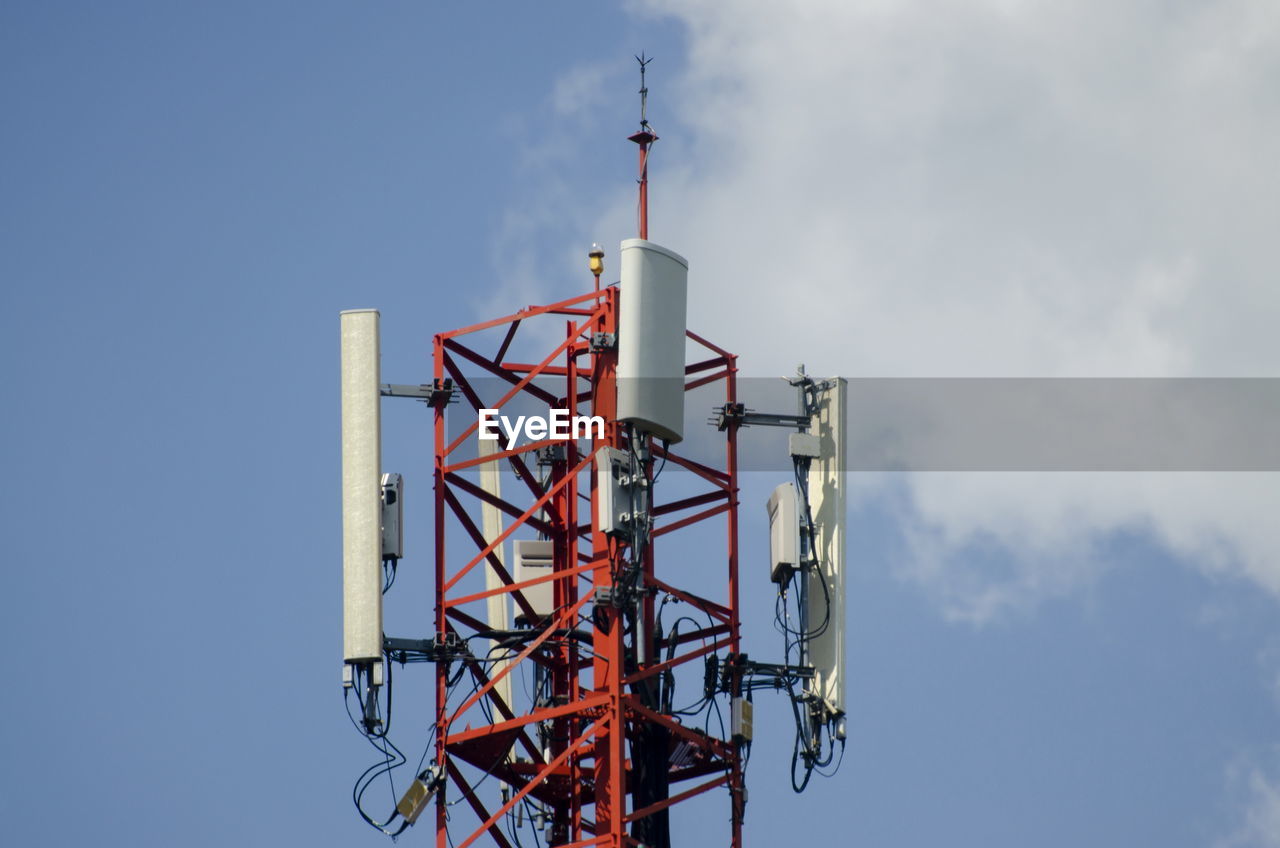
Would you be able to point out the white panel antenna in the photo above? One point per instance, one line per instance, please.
(827, 500)
(498, 609)
(651, 338)
(536, 559)
(361, 493)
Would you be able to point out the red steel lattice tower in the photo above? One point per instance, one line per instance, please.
(601, 713)
(601, 752)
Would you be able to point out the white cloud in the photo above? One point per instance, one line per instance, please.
(988, 189)
(984, 189)
(1260, 808)
(1047, 532)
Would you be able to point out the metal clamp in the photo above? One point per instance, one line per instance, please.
(549, 455)
(438, 393)
(446, 649)
(737, 414)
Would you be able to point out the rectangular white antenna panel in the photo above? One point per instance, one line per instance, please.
(361, 488)
(784, 533)
(535, 559)
(497, 606)
(651, 328)
(827, 501)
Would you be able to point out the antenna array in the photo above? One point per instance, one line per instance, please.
(593, 747)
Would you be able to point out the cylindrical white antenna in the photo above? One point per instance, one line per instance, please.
(361, 491)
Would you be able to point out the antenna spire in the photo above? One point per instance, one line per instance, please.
(644, 90)
(644, 139)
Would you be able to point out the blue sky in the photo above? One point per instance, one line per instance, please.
(189, 195)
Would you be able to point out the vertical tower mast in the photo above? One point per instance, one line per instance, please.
(644, 139)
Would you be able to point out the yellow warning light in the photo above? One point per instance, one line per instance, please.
(596, 256)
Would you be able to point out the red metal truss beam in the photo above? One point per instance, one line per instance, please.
(525, 584)
(469, 392)
(703, 633)
(512, 454)
(528, 312)
(501, 706)
(692, 519)
(462, 618)
(709, 607)
(717, 747)
(706, 472)
(493, 500)
(463, 384)
(477, 805)
(496, 564)
(498, 370)
(529, 771)
(526, 367)
(676, 799)
(704, 365)
(702, 381)
(560, 621)
(696, 770)
(526, 476)
(708, 345)
(522, 519)
(689, 502)
(544, 772)
(649, 671)
(478, 625)
(523, 384)
(506, 341)
(587, 704)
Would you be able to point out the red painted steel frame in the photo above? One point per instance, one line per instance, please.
(594, 712)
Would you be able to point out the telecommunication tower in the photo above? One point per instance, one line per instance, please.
(593, 747)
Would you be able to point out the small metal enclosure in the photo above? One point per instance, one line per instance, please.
(651, 338)
(535, 559)
(827, 499)
(361, 490)
(804, 445)
(417, 795)
(613, 491)
(741, 720)
(784, 532)
(392, 516)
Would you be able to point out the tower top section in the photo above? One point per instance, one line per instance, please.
(645, 139)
